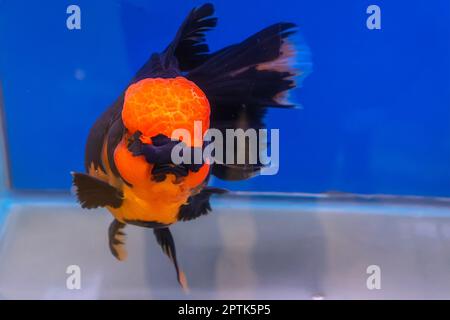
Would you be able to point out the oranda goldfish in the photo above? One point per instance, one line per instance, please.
(128, 153)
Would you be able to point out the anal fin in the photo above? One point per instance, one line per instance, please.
(165, 240)
(117, 240)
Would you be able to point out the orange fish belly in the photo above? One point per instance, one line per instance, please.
(147, 200)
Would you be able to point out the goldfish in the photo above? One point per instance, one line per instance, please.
(128, 157)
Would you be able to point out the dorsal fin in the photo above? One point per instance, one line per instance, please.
(188, 49)
(189, 46)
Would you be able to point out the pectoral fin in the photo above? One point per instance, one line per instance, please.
(93, 193)
(198, 205)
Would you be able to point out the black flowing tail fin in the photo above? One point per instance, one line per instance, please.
(241, 81)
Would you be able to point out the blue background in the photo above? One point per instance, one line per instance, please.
(376, 109)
